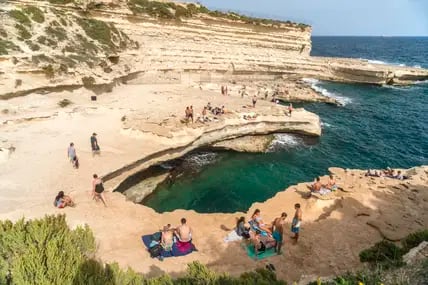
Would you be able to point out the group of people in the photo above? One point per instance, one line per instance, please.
(167, 238)
(390, 173)
(189, 113)
(62, 200)
(264, 235)
(318, 187)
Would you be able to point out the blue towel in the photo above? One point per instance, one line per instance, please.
(147, 240)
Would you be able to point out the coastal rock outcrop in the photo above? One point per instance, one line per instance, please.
(126, 39)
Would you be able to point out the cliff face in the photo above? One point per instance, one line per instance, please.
(75, 47)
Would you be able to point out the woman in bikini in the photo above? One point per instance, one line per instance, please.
(98, 189)
(256, 217)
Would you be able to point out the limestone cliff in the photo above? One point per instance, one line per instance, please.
(46, 45)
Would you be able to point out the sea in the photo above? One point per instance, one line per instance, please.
(377, 127)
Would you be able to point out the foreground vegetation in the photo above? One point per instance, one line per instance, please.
(46, 251)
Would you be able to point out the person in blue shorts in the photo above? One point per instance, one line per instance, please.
(278, 231)
(295, 225)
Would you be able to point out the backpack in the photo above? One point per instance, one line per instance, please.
(156, 236)
(155, 251)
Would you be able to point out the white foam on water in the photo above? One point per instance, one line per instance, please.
(376, 61)
(201, 159)
(315, 85)
(284, 141)
(326, 125)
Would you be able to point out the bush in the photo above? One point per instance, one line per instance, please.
(5, 46)
(88, 81)
(49, 71)
(64, 103)
(23, 33)
(414, 239)
(56, 32)
(32, 46)
(20, 17)
(97, 30)
(383, 253)
(46, 251)
(35, 13)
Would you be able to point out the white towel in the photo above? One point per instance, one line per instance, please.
(232, 236)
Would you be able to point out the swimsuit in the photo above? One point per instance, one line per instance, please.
(277, 236)
(295, 226)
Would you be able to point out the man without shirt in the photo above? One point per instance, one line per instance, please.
(183, 232)
(278, 231)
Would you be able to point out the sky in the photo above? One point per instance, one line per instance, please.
(340, 17)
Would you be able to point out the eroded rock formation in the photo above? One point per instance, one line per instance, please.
(120, 40)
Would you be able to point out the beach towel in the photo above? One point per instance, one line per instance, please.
(328, 196)
(178, 248)
(261, 255)
(232, 236)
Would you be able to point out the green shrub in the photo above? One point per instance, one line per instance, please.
(20, 17)
(152, 8)
(3, 33)
(23, 33)
(383, 253)
(64, 103)
(414, 239)
(61, 2)
(56, 32)
(6, 46)
(32, 46)
(181, 12)
(49, 71)
(35, 13)
(41, 58)
(88, 81)
(97, 30)
(47, 41)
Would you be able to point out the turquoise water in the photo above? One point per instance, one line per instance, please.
(377, 127)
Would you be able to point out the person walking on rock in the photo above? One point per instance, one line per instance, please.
(71, 152)
(254, 101)
(94, 144)
(98, 189)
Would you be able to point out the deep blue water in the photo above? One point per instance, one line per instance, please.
(378, 127)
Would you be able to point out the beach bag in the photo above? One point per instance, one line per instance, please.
(155, 251)
(156, 236)
(99, 188)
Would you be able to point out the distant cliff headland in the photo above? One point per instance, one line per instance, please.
(57, 44)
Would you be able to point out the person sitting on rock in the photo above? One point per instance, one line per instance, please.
(167, 239)
(331, 184)
(241, 229)
(183, 232)
(257, 219)
(316, 186)
(62, 200)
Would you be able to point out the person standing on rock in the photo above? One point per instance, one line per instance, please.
(191, 113)
(94, 144)
(71, 152)
(290, 109)
(278, 231)
(254, 101)
(295, 225)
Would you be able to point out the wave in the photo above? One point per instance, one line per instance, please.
(376, 61)
(284, 141)
(200, 159)
(315, 85)
(326, 125)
